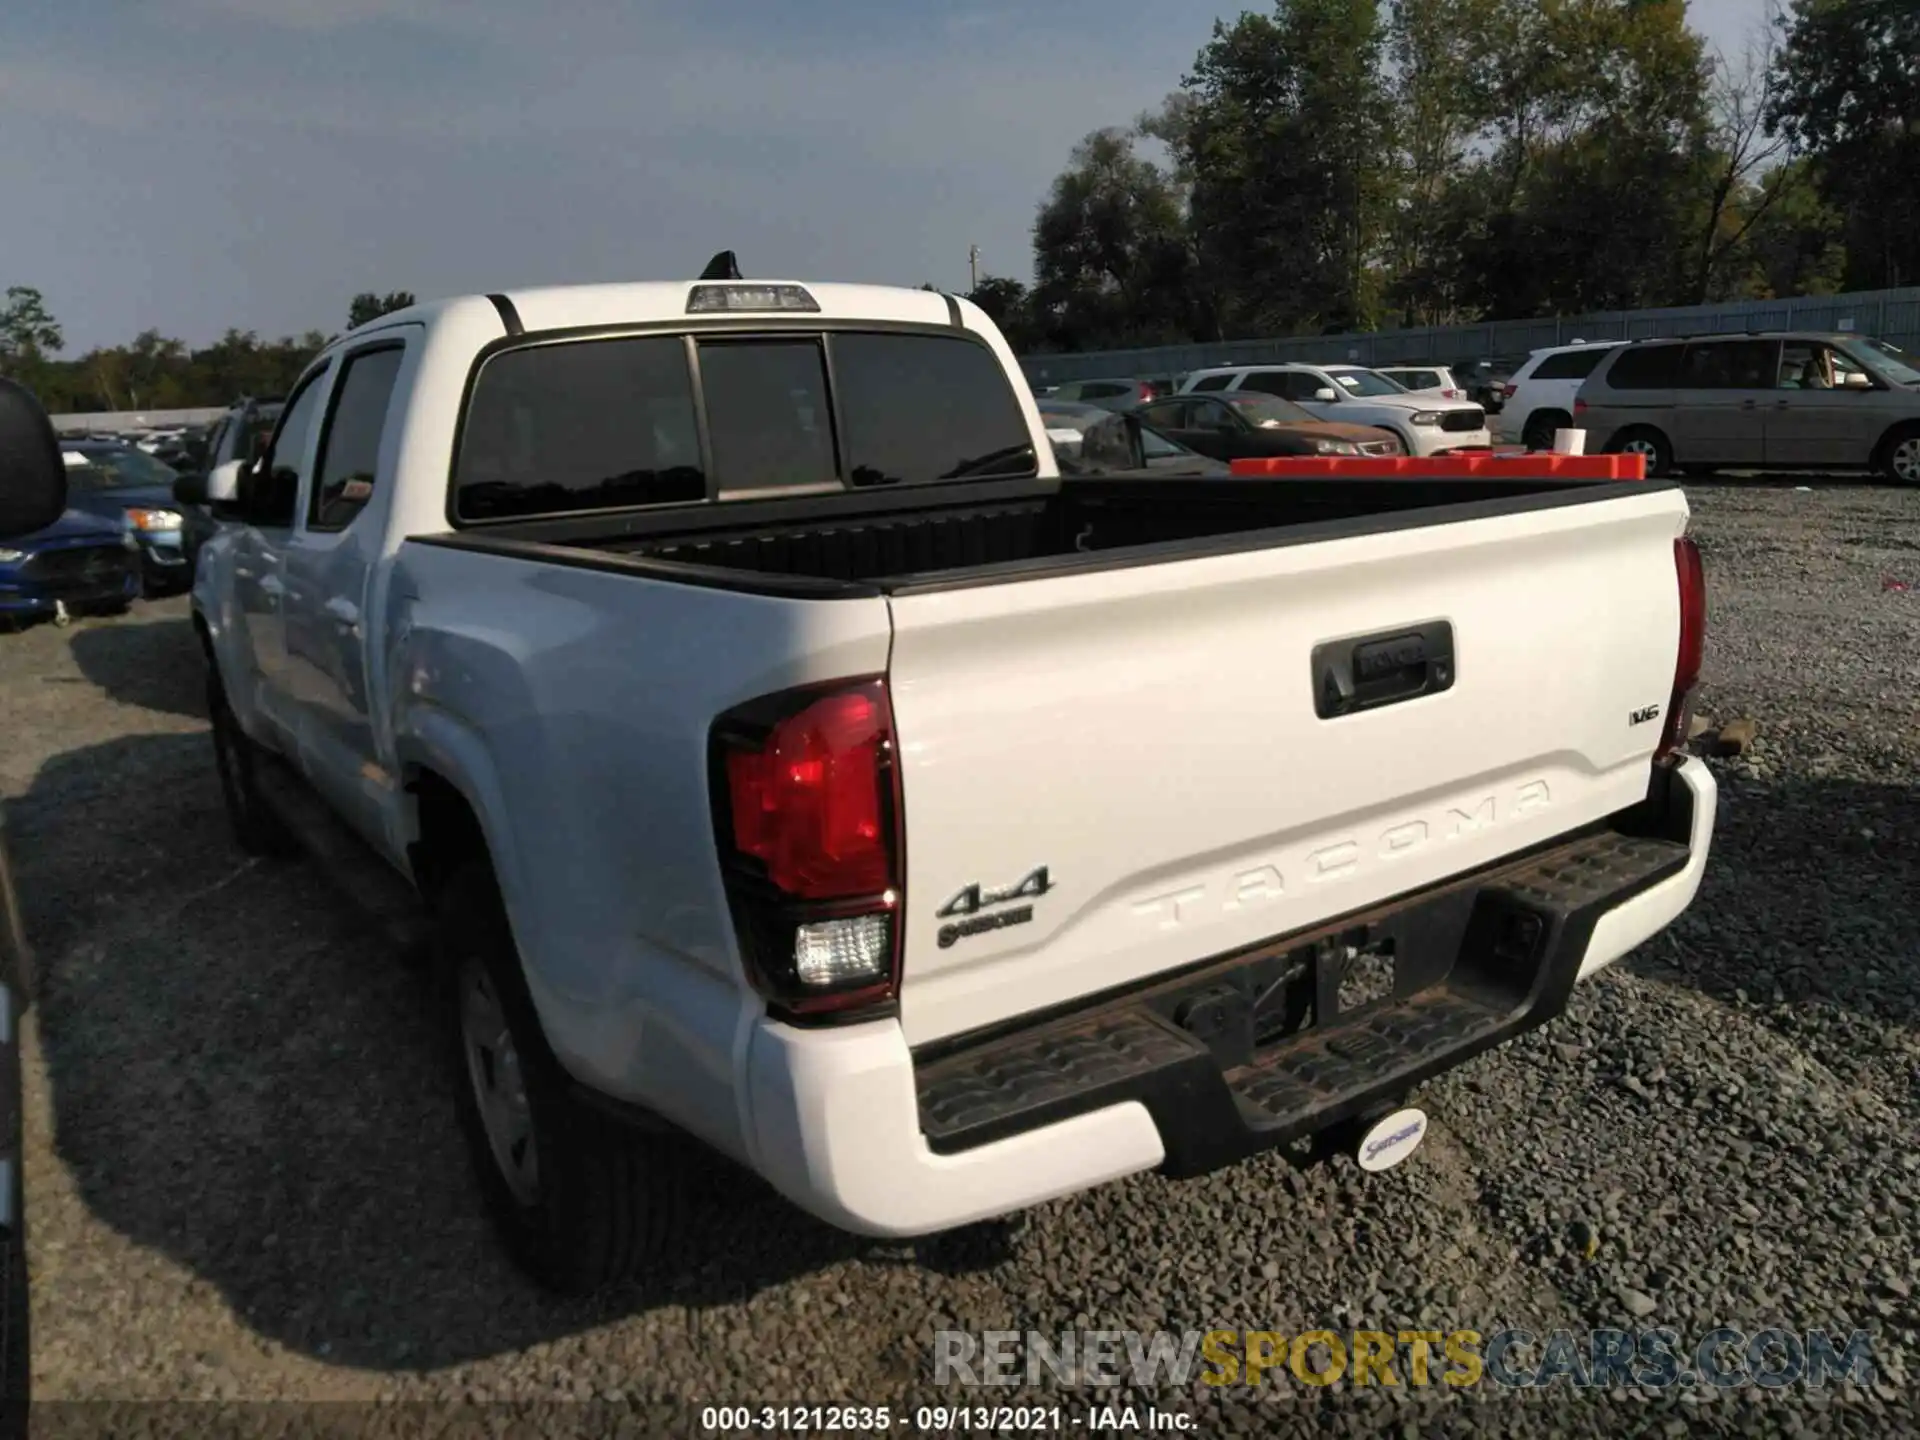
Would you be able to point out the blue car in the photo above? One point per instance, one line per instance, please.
(126, 487)
(80, 563)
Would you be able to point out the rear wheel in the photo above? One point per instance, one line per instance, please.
(1537, 433)
(1899, 458)
(237, 758)
(1644, 440)
(581, 1199)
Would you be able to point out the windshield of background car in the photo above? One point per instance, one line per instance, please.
(1884, 360)
(119, 469)
(1365, 383)
(1264, 409)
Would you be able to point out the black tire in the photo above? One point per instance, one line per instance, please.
(1898, 453)
(1647, 441)
(236, 759)
(605, 1200)
(1537, 433)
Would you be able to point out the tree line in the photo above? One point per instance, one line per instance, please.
(1341, 165)
(155, 372)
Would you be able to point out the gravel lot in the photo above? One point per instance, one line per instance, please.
(244, 1183)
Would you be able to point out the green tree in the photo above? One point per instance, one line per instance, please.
(28, 333)
(1797, 246)
(1847, 91)
(1006, 303)
(1110, 249)
(1286, 137)
(368, 306)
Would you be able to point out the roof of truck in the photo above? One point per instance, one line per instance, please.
(565, 307)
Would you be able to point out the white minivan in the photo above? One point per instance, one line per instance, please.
(1353, 393)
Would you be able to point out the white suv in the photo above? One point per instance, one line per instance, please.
(1540, 394)
(1355, 394)
(1436, 380)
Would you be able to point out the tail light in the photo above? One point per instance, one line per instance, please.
(807, 814)
(1509, 390)
(1147, 392)
(1579, 406)
(1449, 394)
(1693, 643)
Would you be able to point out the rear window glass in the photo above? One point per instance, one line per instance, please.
(919, 408)
(1569, 365)
(768, 419)
(1645, 367)
(1213, 382)
(586, 425)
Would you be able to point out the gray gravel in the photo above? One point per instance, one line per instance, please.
(244, 1182)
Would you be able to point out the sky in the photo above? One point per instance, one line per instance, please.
(190, 165)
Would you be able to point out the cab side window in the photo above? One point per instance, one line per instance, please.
(350, 445)
(275, 485)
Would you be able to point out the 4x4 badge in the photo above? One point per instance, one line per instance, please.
(976, 898)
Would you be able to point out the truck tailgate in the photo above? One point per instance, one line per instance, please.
(1148, 737)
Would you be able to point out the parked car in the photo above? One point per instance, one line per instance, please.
(80, 564)
(1355, 395)
(1107, 394)
(1541, 393)
(1485, 380)
(1785, 400)
(1069, 424)
(697, 651)
(1244, 424)
(130, 488)
(1435, 380)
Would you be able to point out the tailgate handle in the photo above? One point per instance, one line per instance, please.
(1383, 669)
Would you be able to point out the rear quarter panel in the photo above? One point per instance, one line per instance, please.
(572, 708)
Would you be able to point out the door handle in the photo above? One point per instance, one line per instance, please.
(1749, 404)
(345, 613)
(1382, 669)
(1783, 404)
(272, 585)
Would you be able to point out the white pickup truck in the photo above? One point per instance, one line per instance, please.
(787, 757)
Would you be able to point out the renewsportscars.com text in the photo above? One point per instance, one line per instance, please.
(1654, 1359)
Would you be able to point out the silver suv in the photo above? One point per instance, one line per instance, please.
(1773, 401)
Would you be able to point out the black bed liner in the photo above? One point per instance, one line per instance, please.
(903, 542)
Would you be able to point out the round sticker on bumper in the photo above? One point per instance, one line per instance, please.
(1391, 1140)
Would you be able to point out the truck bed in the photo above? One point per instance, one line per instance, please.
(900, 542)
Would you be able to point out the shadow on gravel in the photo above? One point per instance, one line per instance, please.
(1810, 890)
(155, 666)
(246, 1082)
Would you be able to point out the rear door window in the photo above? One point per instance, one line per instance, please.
(919, 408)
(1730, 365)
(1213, 382)
(1645, 367)
(585, 425)
(1267, 382)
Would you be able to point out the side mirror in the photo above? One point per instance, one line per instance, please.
(1326, 394)
(1854, 380)
(227, 489)
(33, 476)
(190, 490)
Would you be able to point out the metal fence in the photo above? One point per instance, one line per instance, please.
(1892, 315)
(134, 419)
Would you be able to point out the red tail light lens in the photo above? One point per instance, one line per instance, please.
(1579, 406)
(1693, 643)
(1509, 390)
(807, 804)
(807, 814)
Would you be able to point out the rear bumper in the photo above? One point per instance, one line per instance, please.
(1186, 1074)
